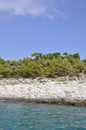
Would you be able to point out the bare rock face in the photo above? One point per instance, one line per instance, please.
(60, 90)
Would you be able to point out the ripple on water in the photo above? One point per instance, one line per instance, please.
(32, 116)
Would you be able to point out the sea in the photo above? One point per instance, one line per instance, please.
(37, 116)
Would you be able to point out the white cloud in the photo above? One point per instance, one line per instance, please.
(48, 8)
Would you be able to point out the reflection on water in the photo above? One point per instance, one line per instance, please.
(32, 116)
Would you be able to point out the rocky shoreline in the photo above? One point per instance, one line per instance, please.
(63, 90)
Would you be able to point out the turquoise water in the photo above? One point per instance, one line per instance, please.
(32, 116)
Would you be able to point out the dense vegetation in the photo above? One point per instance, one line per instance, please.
(43, 65)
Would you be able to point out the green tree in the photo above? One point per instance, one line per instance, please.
(76, 56)
(37, 55)
(65, 54)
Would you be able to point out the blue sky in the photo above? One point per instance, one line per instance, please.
(46, 26)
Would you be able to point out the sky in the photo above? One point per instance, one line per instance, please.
(46, 26)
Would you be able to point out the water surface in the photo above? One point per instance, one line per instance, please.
(33, 116)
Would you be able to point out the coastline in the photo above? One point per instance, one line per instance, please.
(63, 90)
